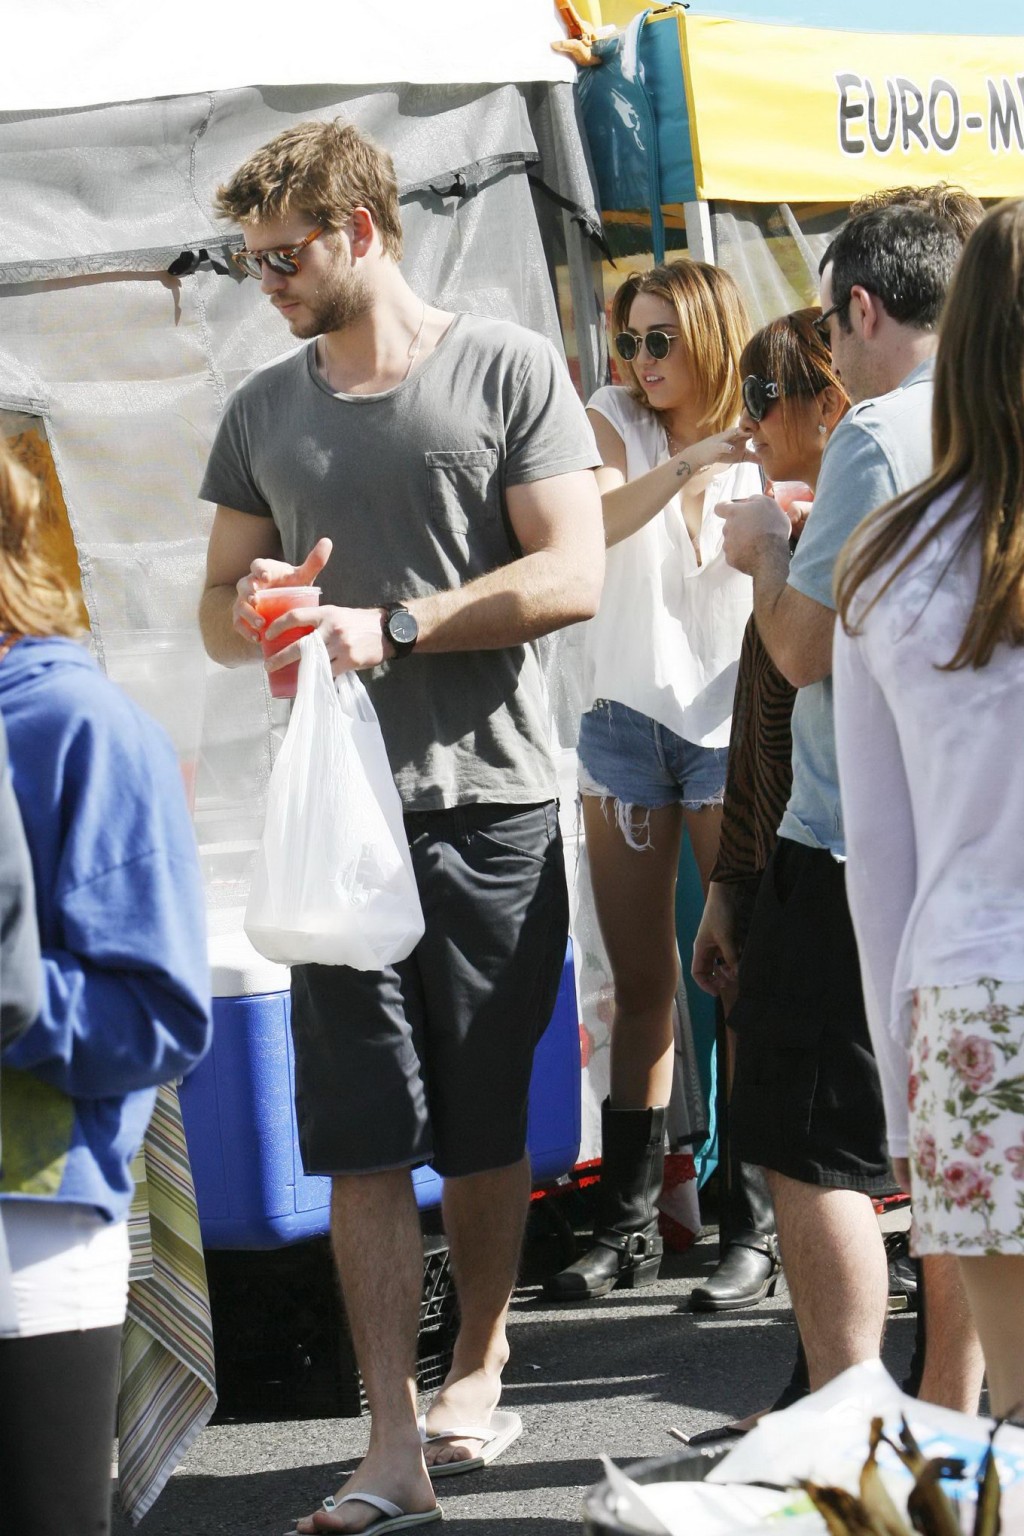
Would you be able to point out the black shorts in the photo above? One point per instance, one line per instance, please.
(806, 1098)
(430, 1060)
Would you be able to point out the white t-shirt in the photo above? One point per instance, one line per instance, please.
(666, 638)
(933, 799)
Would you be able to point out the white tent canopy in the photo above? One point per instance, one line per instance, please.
(75, 53)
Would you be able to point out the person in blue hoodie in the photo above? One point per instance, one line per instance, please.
(125, 1006)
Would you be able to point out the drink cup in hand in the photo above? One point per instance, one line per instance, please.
(788, 491)
(271, 603)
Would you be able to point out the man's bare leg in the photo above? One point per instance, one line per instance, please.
(954, 1365)
(835, 1265)
(375, 1232)
(484, 1216)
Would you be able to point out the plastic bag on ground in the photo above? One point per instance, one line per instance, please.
(333, 882)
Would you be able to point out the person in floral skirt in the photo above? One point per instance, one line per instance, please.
(929, 703)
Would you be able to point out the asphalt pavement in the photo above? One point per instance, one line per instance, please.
(612, 1376)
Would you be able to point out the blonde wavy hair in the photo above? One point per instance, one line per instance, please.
(34, 599)
(713, 328)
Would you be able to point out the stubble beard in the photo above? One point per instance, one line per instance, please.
(335, 306)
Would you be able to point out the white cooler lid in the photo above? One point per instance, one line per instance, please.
(236, 969)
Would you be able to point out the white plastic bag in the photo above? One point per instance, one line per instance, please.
(333, 882)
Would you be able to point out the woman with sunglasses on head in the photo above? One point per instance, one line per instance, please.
(929, 707)
(792, 402)
(659, 669)
(123, 1007)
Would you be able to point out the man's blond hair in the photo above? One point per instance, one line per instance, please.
(322, 170)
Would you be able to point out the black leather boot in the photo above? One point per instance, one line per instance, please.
(748, 1255)
(627, 1248)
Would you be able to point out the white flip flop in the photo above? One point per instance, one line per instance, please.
(496, 1438)
(392, 1516)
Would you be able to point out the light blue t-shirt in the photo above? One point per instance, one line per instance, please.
(880, 449)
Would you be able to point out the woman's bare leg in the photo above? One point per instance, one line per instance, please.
(634, 894)
(995, 1285)
(703, 828)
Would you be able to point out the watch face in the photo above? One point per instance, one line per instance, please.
(402, 627)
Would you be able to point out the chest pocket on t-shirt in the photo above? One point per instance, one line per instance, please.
(467, 517)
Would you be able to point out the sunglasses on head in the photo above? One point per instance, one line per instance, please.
(759, 395)
(628, 344)
(282, 259)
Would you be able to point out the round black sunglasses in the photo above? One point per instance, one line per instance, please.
(628, 344)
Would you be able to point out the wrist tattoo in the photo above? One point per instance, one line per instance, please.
(683, 468)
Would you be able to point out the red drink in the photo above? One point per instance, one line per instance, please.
(271, 603)
(788, 491)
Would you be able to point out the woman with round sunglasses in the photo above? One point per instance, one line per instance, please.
(660, 659)
(792, 402)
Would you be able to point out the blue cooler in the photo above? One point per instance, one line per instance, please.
(239, 1109)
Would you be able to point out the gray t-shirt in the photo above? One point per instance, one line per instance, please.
(880, 449)
(410, 485)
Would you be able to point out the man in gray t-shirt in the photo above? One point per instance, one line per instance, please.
(806, 1102)
(433, 473)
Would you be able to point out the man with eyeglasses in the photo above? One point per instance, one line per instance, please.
(806, 1100)
(434, 473)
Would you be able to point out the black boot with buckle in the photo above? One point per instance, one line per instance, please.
(627, 1246)
(748, 1260)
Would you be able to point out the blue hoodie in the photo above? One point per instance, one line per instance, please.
(126, 987)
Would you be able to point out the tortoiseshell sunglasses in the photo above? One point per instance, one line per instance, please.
(283, 259)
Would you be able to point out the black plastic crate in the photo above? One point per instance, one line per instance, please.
(281, 1339)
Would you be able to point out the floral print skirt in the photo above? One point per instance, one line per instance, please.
(966, 1096)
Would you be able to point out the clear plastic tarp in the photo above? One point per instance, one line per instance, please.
(773, 251)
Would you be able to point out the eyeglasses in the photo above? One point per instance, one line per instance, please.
(628, 345)
(759, 395)
(282, 259)
(821, 326)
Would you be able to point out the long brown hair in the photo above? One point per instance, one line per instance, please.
(977, 446)
(790, 353)
(34, 599)
(713, 326)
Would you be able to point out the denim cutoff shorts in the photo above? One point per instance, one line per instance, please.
(626, 756)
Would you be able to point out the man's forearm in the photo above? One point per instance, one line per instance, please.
(518, 602)
(222, 641)
(770, 576)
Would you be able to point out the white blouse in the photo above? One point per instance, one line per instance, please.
(666, 638)
(933, 800)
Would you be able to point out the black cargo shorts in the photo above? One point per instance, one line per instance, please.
(430, 1060)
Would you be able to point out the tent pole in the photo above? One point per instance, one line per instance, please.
(699, 239)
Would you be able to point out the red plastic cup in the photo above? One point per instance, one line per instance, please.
(271, 603)
(788, 491)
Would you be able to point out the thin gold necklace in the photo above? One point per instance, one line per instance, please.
(414, 352)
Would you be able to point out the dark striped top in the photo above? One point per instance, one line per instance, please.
(760, 772)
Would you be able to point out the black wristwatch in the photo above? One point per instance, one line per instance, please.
(400, 628)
